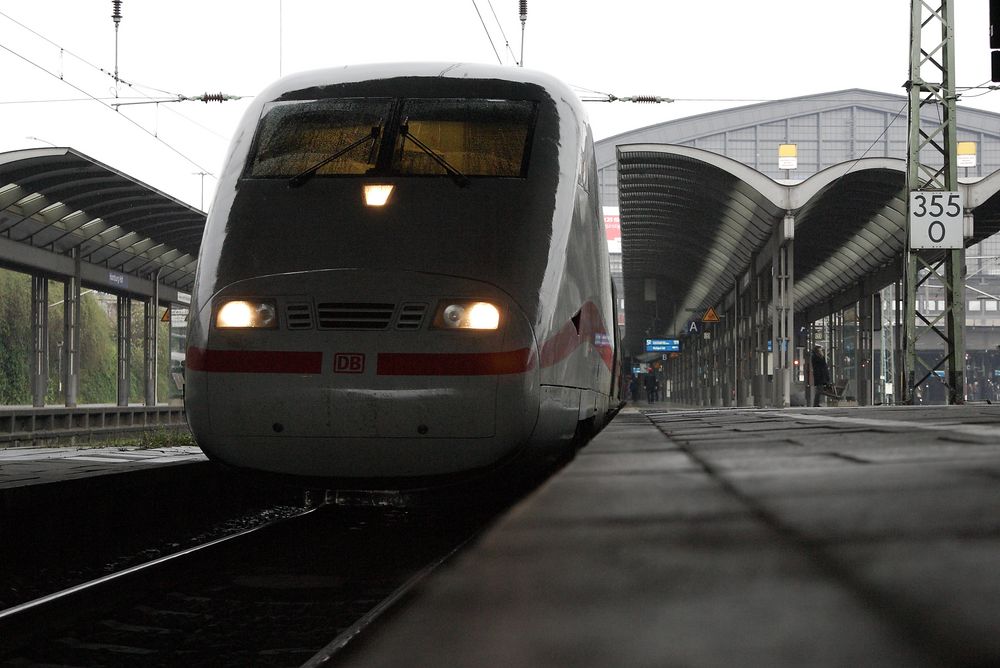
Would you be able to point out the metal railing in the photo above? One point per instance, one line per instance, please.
(27, 426)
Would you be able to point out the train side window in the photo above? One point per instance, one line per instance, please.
(478, 137)
(295, 135)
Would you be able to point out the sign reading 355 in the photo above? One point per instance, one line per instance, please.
(936, 219)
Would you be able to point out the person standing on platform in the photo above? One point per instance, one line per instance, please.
(820, 373)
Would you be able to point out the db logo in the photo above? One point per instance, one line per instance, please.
(349, 363)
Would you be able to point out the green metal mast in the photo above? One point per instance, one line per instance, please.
(932, 170)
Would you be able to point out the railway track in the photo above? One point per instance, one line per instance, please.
(275, 595)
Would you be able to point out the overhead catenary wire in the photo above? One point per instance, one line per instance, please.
(503, 34)
(122, 102)
(64, 50)
(599, 96)
(130, 84)
(64, 100)
(877, 140)
(986, 87)
(206, 97)
(104, 104)
(487, 30)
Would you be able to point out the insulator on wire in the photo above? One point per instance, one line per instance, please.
(116, 14)
(208, 97)
(645, 99)
(524, 18)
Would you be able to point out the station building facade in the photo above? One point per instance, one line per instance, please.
(829, 129)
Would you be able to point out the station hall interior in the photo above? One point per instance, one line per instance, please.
(788, 219)
(705, 212)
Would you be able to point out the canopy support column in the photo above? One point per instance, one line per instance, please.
(730, 326)
(149, 350)
(150, 341)
(39, 339)
(744, 343)
(124, 349)
(761, 333)
(864, 367)
(783, 311)
(71, 332)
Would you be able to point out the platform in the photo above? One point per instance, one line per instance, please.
(733, 537)
(29, 476)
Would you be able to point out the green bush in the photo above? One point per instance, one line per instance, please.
(98, 347)
(15, 338)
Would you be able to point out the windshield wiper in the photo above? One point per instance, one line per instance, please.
(307, 174)
(461, 179)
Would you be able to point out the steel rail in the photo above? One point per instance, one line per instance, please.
(18, 624)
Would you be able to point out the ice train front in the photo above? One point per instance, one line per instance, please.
(333, 335)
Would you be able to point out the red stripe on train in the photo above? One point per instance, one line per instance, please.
(254, 361)
(589, 330)
(455, 364)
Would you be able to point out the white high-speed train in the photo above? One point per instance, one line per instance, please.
(404, 274)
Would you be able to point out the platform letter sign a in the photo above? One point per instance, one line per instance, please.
(936, 219)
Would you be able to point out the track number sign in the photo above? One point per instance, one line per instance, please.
(936, 219)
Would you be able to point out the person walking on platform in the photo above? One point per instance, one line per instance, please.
(650, 382)
(820, 373)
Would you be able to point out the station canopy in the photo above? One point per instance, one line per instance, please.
(57, 200)
(695, 222)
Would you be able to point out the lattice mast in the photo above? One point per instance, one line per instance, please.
(931, 166)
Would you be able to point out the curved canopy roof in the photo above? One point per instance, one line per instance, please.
(693, 222)
(58, 199)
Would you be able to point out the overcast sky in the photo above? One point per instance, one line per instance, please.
(708, 55)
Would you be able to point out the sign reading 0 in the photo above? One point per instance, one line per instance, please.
(936, 219)
(663, 345)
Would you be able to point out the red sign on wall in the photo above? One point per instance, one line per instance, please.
(613, 227)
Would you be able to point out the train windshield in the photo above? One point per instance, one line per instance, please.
(477, 137)
(295, 136)
(473, 137)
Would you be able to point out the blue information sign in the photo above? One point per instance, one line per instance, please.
(663, 345)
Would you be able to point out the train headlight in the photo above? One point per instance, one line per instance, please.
(377, 194)
(246, 314)
(454, 314)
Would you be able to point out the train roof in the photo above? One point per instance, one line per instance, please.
(379, 71)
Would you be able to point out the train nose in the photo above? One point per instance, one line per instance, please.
(420, 361)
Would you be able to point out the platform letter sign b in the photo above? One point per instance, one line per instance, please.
(936, 219)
